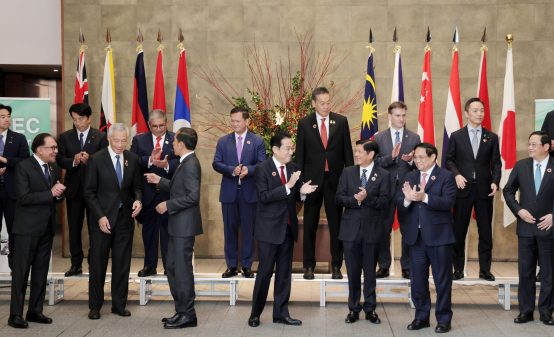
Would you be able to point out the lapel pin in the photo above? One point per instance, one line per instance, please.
(433, 178)
(248, 142)
(484, 140)
(373, 178)
(274, 174)
(332, 121)
(314, 126)
(166, 141)
(549, 170)
(126, 163)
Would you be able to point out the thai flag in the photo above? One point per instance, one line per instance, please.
(181, 116)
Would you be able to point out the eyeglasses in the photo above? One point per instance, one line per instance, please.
(159, 126)
(53, 148)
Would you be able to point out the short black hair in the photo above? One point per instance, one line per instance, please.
(545, 137)
(472, 100)
(243, 110)
(6, 107)
(397, 105)
(277, 139)
(39, 140)
(81, 109)
(187, 136)
(319, 91)
(429, 148)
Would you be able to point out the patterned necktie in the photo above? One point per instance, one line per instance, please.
(118, 171)
(423, 181)
(363, 179)
(323, 135)
(397, 138)
(47, 175)
(157, 146)
(239, 148)
(81, 140)
(538, 179)
(475, 142)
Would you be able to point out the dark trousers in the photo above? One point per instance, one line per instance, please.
(180, 275)
(384, 254)
(440, 260)
(530, 251)
(360, 256)
(120, 242)
(75, 216)
(312, 206)
(30, 252)
(463, 209)
(154, 230)
(238, 215)
(278, 256)
(7, 210)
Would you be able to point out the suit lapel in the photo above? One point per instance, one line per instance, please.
(530, 175)
(431, 178)
(388, 141)
(467, 142)
(315, 129)
(166, 145)
(108, 162)
(332, 128)
(40, 170)
(546, 178)
(482, 141)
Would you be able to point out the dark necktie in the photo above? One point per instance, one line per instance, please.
(363, 179)
(118, 171)
(81, 141)
(47, 175)
(284, 182)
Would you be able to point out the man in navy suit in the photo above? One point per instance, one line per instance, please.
(155, 151)
(236, 157)
(13, 149)
(429, 195)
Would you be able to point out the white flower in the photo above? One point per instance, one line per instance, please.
(279, 118)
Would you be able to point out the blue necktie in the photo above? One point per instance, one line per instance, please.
(47, 175)
(363, 179)
(118, 171)
(397, 138)
(81, 141)
(538, 178)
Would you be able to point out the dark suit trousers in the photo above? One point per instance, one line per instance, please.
(7, 210)
(75, 216)
(312, 206)
(462, 214)
(384, 254)
(360, 256)
(239, 214)
(531, 249)
(180, 274)
(120, 243)
(280, 257)
(440, 260)
(154, 229)
(30, 252)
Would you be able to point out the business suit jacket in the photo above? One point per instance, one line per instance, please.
(16, 149)
(68, 147)
(435, 217)
(225, 161)
(487, 164)
(183, 205)
(548, 124)
(366, 218)
(396, 167)
(311, 155)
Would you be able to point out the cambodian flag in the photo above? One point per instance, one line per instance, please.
(181, 116)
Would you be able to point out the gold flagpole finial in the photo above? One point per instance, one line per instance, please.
(140, 40)
(108, 40)
(82, 41)
(180, 46)
(160, 39)
(396, 48)
(370, 41)
(428, 39)
(509, 40)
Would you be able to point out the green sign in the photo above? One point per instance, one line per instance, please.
(30, 116)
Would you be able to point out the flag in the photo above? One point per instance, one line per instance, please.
(81, 83)
(159, 87)
(139, 116)
(397, 93)
(181, 116)
(107, 108)
(425, 123)
(369, 113)
(483, 89)
(507, 131)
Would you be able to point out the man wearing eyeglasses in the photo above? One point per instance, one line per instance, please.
(156, 155)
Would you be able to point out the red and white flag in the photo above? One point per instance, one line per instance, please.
(483, 89)
(425, 122)
(159, 86)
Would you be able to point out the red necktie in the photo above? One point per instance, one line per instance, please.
(323, 134)
(423, 181)
(158, 139)
(284, 182)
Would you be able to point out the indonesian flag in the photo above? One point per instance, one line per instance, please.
(507, 131)
(181, 115)
(483, 89)
(159, 87)
(425, 123)
(107, 109)
(140, 98)
(81, 83)
(453, 113)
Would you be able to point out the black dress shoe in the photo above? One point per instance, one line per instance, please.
(182, 321)
(382, 273)
(230, 272)
(38, 318)
(147, 271)
(247, 272)
(170, 319)
(406, 274)
(16, 321)
(486, 275)
(352, 317)
(74, 270)
(94, 314)
(308, 273)
(254, 321)
(457, 275)
(372, 317)
(287, 321)
(547, 319)
(443, 328)
(418, 325)
(523, 318)
(336, 275)
(121, 312)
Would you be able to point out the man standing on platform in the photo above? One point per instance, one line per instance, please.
(428, 195)
(155, 151)
(323, 150)
(279, 186)
(13, 149)
(396, 150)
(185, 223)
(473, 156)
(236, 157)
(75, 147)
(37, 189)
(534, 180)
(113, 192)
(364, 191)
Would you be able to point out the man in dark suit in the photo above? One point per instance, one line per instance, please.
(396, 150)
(279, 186)
(236, 157)
(155, 151)
(75, 148)
(534, 180)
(185, 222)
(13, 149)
(548, 127)
(473, 156)
(323, 149)
(37, 189)
(428, 195)
(364, 191)
(113, 190)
